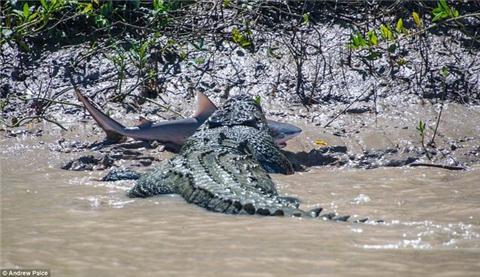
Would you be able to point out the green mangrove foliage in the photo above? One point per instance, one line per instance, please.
(243, 39)
(25, 20)
(386, 39)
(392, 32)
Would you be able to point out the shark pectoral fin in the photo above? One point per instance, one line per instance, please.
(205, 106)
(113, 137)
(144, 123)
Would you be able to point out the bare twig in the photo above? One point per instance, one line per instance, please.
(449, 167)
(28, 119)
(344, 110)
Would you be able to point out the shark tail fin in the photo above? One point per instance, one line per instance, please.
(205, 106)
(113, 129)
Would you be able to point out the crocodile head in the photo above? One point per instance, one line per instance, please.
(243, 110)
(239, 110)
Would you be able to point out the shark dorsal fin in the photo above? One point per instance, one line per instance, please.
(143, 122)
(205, 107)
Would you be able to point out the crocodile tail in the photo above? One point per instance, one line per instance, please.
(222, 202)
(317, 213)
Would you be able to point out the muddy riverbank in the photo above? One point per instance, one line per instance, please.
(352, 140)
(306, 70)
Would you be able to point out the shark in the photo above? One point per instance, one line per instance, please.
(174, 132)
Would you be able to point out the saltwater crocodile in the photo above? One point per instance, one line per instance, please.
(224, 166)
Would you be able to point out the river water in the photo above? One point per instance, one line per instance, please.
(74, 225)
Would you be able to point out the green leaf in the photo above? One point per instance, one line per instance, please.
(240, 38)
(399, 27)
(417, 19)
(437, 10)
(160, 7)
(402, 61)
(271, 53)
(443, 11)
(443, 5)
(357, 41)
(445, 72)
(236, 35)
(101, 21)
(386, 32)
(372, 38)
(55, 3)
(44, 4)
(439, 16)
(200, 60)
(183, 55)
(26, 10)
(88, 8)
(306, 18)
(32, 16)
(421, 127)
(258, 100)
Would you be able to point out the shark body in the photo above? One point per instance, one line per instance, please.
(175, 132)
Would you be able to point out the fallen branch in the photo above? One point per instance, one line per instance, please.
(449, 167)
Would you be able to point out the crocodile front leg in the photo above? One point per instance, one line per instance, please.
(159, 181)
(267, 153)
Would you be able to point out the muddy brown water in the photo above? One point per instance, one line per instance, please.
(74, 225)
